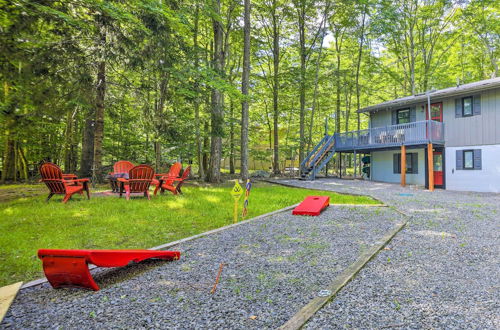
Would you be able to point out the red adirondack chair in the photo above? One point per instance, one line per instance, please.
(60, 184)
(70, 267)
(139, 180)
(173, 173)
(176, 188)
(120, 167)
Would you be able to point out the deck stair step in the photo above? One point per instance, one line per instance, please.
(317, 159)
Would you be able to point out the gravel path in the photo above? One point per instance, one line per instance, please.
(274, 266)
(441, 271)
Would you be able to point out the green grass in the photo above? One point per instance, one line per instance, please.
(29, 223)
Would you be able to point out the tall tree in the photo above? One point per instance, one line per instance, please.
(316, 75)
(271, 22)
(100, 98)
(217, 102)
(481, 17)
(244, 90)
(197, 96)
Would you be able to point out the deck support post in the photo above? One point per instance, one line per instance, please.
(403, 166)
(355, 165)
(340, 165)
(430, 166)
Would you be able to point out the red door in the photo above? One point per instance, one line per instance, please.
(436, 112)
(436, 115)
(438, 168)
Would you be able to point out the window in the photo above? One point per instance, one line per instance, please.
(403, 116)
(468, 159)
(411, 163)
(467, 106)
(436, 110)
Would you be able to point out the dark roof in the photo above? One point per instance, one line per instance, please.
(447, 92)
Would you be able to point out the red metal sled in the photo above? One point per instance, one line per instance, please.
(312, 205)
(70, 267)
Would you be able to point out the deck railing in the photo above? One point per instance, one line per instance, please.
(419, 132)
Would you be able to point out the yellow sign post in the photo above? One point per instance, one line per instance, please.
(236, 192)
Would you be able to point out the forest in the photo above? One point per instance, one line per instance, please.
(225, 85)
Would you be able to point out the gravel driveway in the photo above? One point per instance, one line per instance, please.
(273, 266)
(441, 271)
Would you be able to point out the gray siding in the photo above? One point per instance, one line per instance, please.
(483, 129)
(380, 119)
(384, 117)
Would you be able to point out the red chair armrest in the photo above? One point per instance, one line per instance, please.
(166, 177)
(122, 180)
(76, 180)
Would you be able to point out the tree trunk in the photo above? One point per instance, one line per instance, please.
(87, 157)
(9, 159)
(206, 146)
(22, 164)
(100, 107)
(231, 137)
(338, 49)
(316, 80)
(159, 118)
(302, 88)
(69, 143)
(276, 63)
(244, 90)
(199, 147)
(217, 106)
(358, 67)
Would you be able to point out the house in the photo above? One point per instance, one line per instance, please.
(447, 139)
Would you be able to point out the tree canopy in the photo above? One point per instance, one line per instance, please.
(89, 82)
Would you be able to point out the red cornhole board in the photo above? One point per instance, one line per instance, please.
(70, 267)
(312, 205)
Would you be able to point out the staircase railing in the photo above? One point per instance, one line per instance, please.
(328, 146)
(324, 161)
(306, 160)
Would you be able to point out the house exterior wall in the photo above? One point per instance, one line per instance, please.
(482, 129)
(382, 167)
(384, 117)
(380, 119)
(479, 129)
(487, 179)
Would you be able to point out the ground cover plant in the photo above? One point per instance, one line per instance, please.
(114, 223)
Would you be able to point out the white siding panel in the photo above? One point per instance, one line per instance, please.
(486, 180)
(382, 167)
(496, 124)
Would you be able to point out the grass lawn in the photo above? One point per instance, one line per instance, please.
(28, 223)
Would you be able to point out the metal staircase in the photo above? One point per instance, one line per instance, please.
(317, 159)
